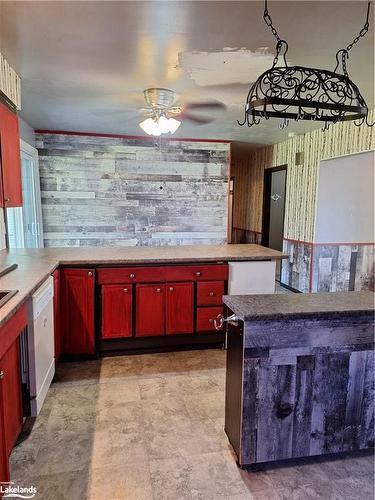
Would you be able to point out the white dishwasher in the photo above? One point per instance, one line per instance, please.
(41, 345)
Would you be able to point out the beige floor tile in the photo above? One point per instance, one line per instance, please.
(151, 427)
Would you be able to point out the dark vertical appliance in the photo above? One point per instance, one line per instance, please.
(274, 209)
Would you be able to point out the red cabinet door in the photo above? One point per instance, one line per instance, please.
(150, 311)
(11, 395)
(10, 157)
(179, 308)
(57, 312)
(4, 462)
(117, 302)
(77, 311)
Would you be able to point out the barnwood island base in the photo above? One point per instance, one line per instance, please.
(300, 375)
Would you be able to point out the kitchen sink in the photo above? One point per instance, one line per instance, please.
(5, 295)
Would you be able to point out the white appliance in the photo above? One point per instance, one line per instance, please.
(41, 345)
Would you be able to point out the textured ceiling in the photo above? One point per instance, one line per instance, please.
(84, 64)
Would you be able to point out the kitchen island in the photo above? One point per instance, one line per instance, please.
(300, 375)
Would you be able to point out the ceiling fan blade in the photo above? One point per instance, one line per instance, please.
(205, 105)
(199, 120)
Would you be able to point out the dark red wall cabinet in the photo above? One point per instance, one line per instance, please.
(150, 310)
(179, 308)
(117, 310)
(10, 158)
(77, 311)
(4, 462)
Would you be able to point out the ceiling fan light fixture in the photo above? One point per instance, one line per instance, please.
(161, 125)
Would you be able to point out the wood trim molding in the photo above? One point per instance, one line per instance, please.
(122, 136)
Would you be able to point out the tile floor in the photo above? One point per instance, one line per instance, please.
(151, 427)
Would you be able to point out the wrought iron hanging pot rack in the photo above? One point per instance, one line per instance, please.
(302, 93)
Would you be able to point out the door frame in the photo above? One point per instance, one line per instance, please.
(33, 152)
(266, 201)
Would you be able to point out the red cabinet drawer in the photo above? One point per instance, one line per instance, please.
(150, 310)
(113, 275)
(117, 302)
(179, 308)
(210, 293)
(197, 273)
(205, 318)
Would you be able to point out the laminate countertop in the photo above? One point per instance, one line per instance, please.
(301, 305)
(35, 265)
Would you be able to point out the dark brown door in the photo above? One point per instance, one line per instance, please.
(274, 207)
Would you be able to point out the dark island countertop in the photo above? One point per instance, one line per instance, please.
(301, 305)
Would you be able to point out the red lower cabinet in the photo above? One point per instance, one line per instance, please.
(11, 395)
(117, 310)
(150, 310)
(179, 308)
(4, 463)
(205, 318)
(77, 311)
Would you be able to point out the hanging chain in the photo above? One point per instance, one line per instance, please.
(363, 31)
(268, 21)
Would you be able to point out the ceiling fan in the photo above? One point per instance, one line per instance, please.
(163, 116)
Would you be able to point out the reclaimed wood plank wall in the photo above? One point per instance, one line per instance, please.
(128, 191)
(329, 360)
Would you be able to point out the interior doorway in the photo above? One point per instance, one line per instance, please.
(274, 209)
(24, 224)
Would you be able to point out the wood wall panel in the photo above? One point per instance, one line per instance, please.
(128, 191)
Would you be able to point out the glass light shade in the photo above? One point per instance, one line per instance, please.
(161, 126)
(173, 125)
(150, 127)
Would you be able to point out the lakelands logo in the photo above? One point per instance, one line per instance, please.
(8, 490)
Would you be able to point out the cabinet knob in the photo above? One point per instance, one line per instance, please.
(210, 320)
(158, 290)
(1, 375)
(7, 199)
(89, 273)
(198, 273)
(126, 290)
(171, 288)
(131, 275)
(212, 294)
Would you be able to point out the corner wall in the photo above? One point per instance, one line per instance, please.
(102, 190)
(301, 191)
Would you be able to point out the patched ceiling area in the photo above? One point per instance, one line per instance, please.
(84, 65)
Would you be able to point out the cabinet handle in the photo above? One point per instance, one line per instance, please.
(1, 375)
(131, 275)
(89, 273)
(198, 273)
(212, 294)
(171, 289)
(158, 290)
(125, 290)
